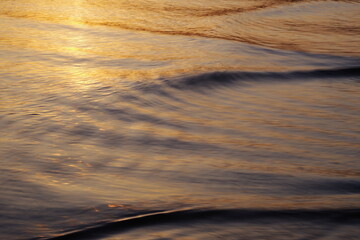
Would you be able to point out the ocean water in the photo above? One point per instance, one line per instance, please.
(159, 119)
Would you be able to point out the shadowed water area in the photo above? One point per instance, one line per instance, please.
(157, 119)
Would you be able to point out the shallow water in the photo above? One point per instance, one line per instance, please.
(179, 120)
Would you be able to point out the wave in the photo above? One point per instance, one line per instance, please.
(266, 23)
(219, 215)
(200, 9)
(215, 79)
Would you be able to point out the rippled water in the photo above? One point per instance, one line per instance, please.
(183, 120)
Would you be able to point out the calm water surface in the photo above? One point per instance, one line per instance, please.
(158, 119)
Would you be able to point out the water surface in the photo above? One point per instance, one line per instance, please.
(179, 120)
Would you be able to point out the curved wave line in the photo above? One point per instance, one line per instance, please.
(214, 79)
(224, 215)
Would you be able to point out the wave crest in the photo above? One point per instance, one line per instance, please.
(214, 79)
(218, 215)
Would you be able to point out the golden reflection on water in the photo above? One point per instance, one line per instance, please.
(269, 23)
(80, 73)
(77, 11)
(91, 123)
